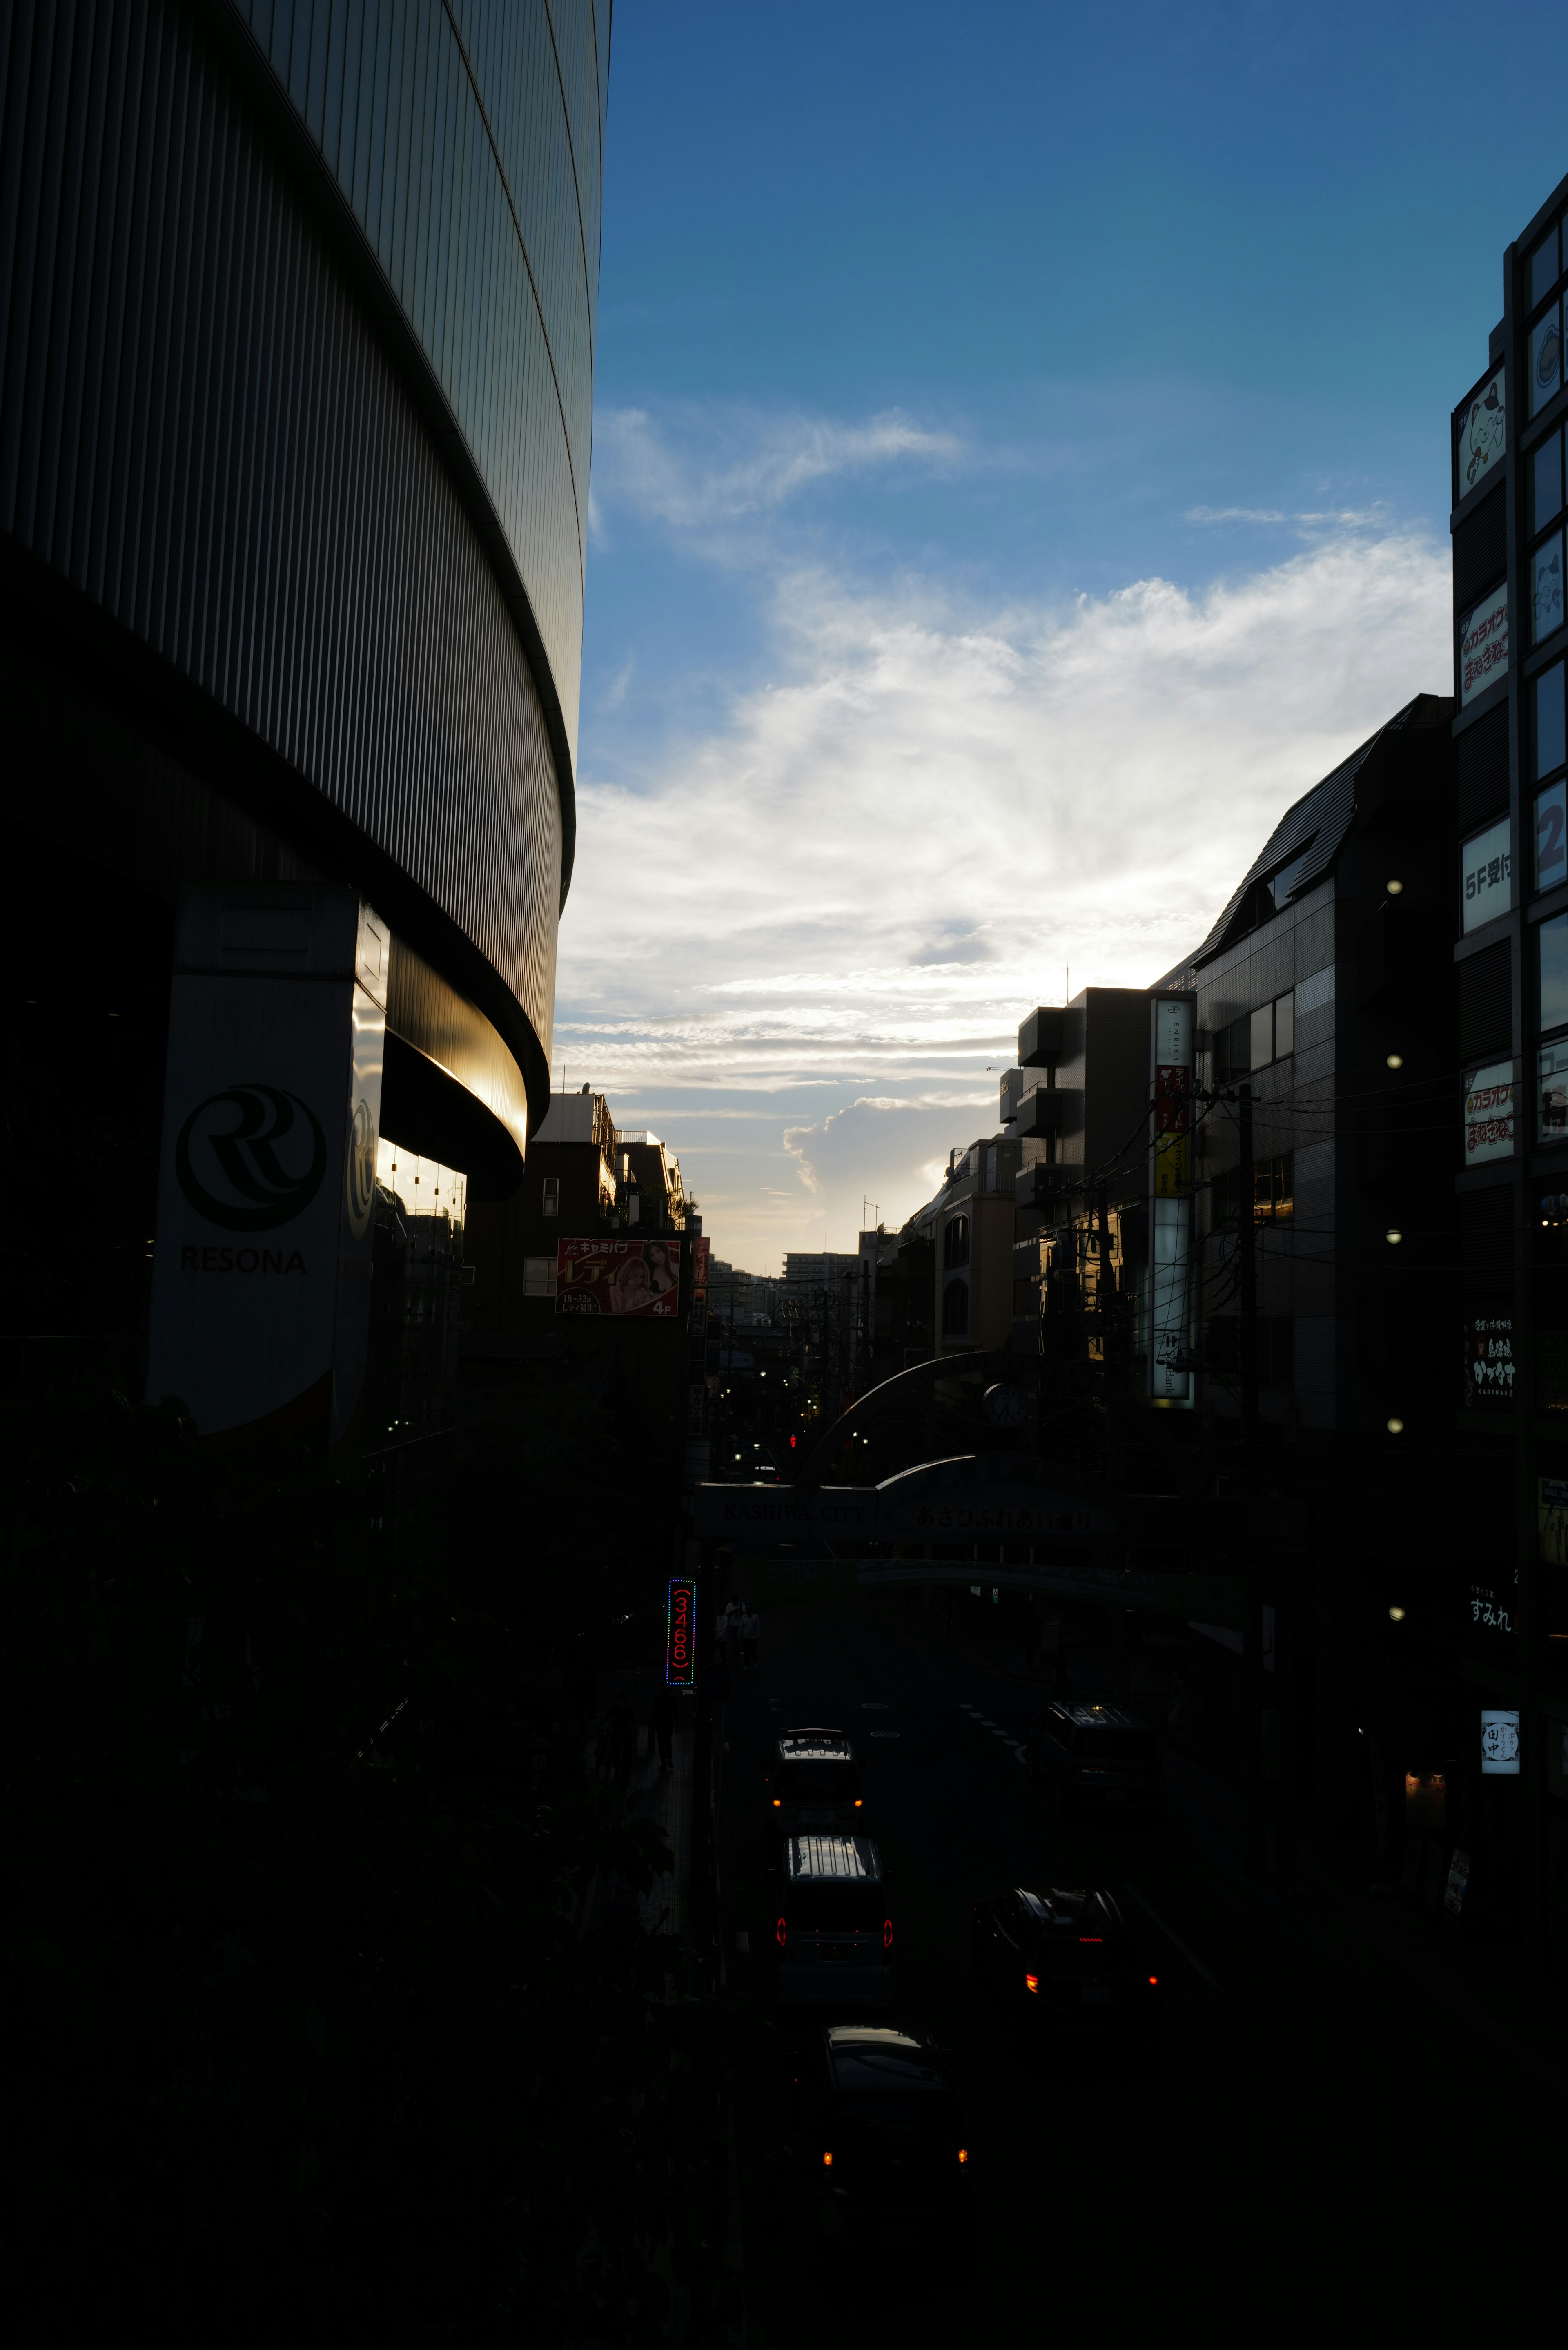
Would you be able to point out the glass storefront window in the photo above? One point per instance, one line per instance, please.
(1544, 267)
(1486, 874)
(1546, 482)
(1547, 730)
(1552, 971)
(1552, 836)
(1551, 1093)
(1546, 589)
(1545, 358)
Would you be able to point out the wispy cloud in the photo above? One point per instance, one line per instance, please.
(1373, 517)
(849, 890)
(698, 468)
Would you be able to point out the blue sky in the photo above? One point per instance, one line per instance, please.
(1020, 470)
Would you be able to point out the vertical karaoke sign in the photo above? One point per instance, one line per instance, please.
(680, 1634)
(1170, 1200)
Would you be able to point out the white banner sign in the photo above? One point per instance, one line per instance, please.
(260, 1272)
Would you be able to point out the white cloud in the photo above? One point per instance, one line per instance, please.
(851, 890)
(721, 466)
(1373, 517)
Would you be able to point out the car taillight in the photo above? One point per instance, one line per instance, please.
(779, 1931)
(778, 1802)
(858, 1801)
(1031, 1982)
(1091, 1938)
(887, 1933)
(1153, 1980)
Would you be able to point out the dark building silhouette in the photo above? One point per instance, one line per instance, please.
(297, 338)
(1510, 1079)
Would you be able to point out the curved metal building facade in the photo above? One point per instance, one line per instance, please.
(296, 334)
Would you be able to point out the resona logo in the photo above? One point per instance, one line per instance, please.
(361, 1180)
(251, 1157)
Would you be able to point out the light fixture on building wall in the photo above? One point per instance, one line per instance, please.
(1396, 1615)
(1396, 1428)
(1395, 1060)
(1394, 888)
(1393, 1236)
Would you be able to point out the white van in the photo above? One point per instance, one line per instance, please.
(833, 1931)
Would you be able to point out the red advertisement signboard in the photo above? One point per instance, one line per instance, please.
(1172, 1096)
(616, 1277)
(681, 1634)
(700, 1263)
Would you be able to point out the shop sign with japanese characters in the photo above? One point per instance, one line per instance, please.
(615, 1276)
(1500, 1742)
(1483, 645)
(1488, 1359)
(1485, 875)
(1488, 1114)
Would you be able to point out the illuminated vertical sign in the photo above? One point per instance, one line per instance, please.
(1500, 1742)
(271, 1107)
(680, 1634)
(1170, 1198)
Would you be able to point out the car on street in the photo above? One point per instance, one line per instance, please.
(833, 1931)
(1098, 1756)
(1064, 1960)
(812, 1785)
(883, 2137)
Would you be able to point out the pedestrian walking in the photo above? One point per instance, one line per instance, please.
(751, 1633)
(623, 1736)
(662, 1726)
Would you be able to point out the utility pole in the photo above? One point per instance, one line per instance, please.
(1247, 1277)
(1260, 1812)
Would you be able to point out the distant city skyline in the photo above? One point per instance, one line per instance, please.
(1003, 507)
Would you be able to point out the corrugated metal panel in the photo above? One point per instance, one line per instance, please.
(467, 140)
(199, 432)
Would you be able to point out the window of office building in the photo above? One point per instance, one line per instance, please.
(1545, 263)
(955, 1242)
(1551, 835)
(1274, 1189)
(1547, 729)
(1486, 874)
(1545, 358)
(1546, 589)
(1552, 1092)
(552, 1202)
(1546, 483)
(955, 1310)
(1552, 971)
(1262, 1037)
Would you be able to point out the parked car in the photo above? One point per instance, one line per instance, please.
(812, 1785)
(885, 2138)
(833, 1931)
(1060, 1960)
(1096, 1754)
